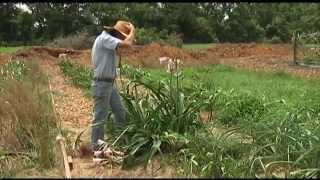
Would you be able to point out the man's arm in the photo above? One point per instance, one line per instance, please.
(130, 38)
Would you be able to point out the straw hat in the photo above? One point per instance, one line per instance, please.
(123, 27)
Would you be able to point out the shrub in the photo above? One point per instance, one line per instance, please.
(275, 40)
(146, 36)
(310, 38)
(80, 40)
(160, 118)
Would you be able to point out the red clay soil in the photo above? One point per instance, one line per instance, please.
(43, 52)
(4, 58)
(259, 57)
(246, 50)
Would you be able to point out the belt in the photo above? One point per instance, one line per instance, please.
(104, 79)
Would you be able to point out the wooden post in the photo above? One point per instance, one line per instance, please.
(295, 62)
(66, 159)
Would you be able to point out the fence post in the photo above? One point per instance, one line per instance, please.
(295, 62)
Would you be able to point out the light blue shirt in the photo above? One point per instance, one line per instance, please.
(103, 55)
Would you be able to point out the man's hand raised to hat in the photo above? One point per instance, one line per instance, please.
(130, 38)
(130, 26)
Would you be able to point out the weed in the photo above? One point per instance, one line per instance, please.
(26, 116)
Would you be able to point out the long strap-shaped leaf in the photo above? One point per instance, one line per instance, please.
(77, 140)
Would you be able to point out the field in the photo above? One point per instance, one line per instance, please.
(8, 49)
(233, 110)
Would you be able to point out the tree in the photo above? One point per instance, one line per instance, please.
(241, 26)
(8, 29)
(59, 19)
(25, 27)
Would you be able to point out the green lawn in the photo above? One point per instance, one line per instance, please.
(274, 86)
(8, 49)
(198, 46)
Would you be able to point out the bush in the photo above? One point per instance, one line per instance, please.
(147, 36)
(78, 41)
(310, 38)
(174, 40)
(275, 40)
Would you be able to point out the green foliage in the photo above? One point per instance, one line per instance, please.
(80, 76)
(310, 38)
(233, 108)
(8, 27)
(275, 40)
(160, 117)
(79, 41)
(309, 45)
(146, 36)
(13, 70)
(272, 118)
(25, 27)
(193, 22)
(212, 155)
(282, 121)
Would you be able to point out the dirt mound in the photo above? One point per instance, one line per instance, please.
(228, 50)
(155, 50)
(265, 57)
(149, 54)
(43, 52)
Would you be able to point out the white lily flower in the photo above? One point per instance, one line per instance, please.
(171, 66)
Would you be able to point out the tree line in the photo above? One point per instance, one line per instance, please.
(193, 22)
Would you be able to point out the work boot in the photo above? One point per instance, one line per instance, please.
(98, 150)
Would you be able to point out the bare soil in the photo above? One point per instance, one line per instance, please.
(257, 57)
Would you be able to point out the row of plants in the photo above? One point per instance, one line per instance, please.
(27, 124)
(79, 75)
(164, 116)
(282, 132)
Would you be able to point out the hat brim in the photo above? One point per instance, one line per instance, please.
(109, 28)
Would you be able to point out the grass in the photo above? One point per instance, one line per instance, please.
(4, 50)
(279, 112)
(27, 124)
(270, 107)
(198, 46)
(278, 85)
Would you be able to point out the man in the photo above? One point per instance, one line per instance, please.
(104, 93)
